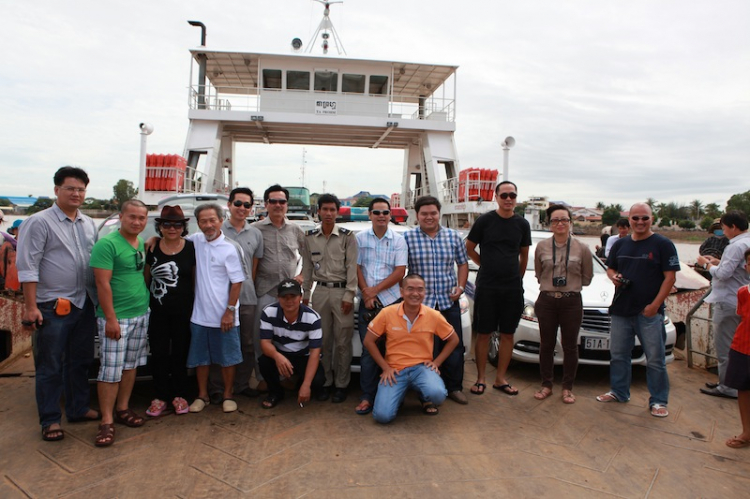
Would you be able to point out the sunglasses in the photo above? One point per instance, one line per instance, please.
(640, 219)
(556, 221)
(506, 195)
(239, 203)
(381, 212)
(175, 225)
(139, 263)
(276, 201)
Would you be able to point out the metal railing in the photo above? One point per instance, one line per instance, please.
(689, 330)
(249, 99)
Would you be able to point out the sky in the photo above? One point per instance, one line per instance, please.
(608, 101)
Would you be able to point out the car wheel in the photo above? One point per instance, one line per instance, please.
(494, 348)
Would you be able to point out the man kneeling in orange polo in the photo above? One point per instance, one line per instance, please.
(408, 328)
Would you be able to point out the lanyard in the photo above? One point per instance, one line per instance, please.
(554, 256)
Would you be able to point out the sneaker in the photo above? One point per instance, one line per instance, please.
(156, 408)
(339, 395)
(229, 405)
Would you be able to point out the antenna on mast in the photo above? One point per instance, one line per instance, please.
(323, 30)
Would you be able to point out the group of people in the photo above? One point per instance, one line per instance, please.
(232, 299)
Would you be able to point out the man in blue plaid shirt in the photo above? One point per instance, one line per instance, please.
(433, 251)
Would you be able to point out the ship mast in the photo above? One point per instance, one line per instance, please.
(326, 26)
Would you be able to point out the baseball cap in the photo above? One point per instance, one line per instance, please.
(289, 287)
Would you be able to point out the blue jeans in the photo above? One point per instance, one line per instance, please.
(652, 335)
(452, 370)
(420, 377)
(63, 352)
(369, 370)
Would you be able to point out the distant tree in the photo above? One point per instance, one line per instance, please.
(618, 207)
(686, 224)
(697, 208)
(124, 190)
(665, 222)
(651, 202)
(363, 201)
(740, 202)
(41, 204)
(712, 210)
(660, 208)
(706, 222)
(520, 209)
(610, 215)
(600, 205)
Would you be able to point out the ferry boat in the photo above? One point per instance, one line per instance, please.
(332, 100)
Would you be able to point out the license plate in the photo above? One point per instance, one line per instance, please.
(591, 343)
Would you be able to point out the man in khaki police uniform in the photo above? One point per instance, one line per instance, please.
(330, 259)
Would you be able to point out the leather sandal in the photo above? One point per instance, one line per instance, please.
(105, 436)
(129, 418)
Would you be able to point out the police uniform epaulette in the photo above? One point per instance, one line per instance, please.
(312, 232)
(345, 231)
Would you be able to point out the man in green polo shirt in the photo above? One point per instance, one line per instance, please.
(118, 260)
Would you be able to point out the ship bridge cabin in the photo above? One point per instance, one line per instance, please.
(318, 100)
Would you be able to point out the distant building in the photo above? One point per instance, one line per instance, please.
(18, 204)
(350, 201)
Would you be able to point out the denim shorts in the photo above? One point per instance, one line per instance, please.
(210, 345)
(127, 353)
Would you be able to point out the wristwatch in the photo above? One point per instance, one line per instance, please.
(705, 266)
(232, 308)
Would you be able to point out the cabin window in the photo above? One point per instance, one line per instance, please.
(354, 84)
(298, 80)
(271, 78)
(326, 81)
(378, 85)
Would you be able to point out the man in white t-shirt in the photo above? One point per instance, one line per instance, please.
(623, 228)
(215, 322)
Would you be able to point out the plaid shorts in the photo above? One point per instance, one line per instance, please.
(129, 352)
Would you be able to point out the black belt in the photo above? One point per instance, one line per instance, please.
(332, 284)
(561, 294)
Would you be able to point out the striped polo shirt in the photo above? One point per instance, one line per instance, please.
(296, 338)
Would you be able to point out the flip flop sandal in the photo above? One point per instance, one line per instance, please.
(50, 435)
(271, 401)
(366, 410)
(105, 436)
(156, 408)
(506, 389)
(129, 418)
(85, 418)
(607, 397)
(737, 443)
(543, 393)
(430, 409)
(480, 387)
(659, 411)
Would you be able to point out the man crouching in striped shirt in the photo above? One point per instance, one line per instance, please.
(290, 338)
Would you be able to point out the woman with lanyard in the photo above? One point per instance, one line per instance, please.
(563, 265)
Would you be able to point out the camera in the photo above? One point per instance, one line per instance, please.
(369, 314)
(559, 282)
(624, 282)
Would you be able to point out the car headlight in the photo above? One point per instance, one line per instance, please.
(528, 312)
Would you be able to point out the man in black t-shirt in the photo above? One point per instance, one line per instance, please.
(642, 266)
(504, 239)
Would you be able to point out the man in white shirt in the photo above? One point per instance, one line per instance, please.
(215, 322)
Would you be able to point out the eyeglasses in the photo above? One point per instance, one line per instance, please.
(381, 212)
(139, 260)
(640, 219)
(276, 201)
(506, 195)
(556, 221)
(170, 225)
(69, 189)
(247, 205)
